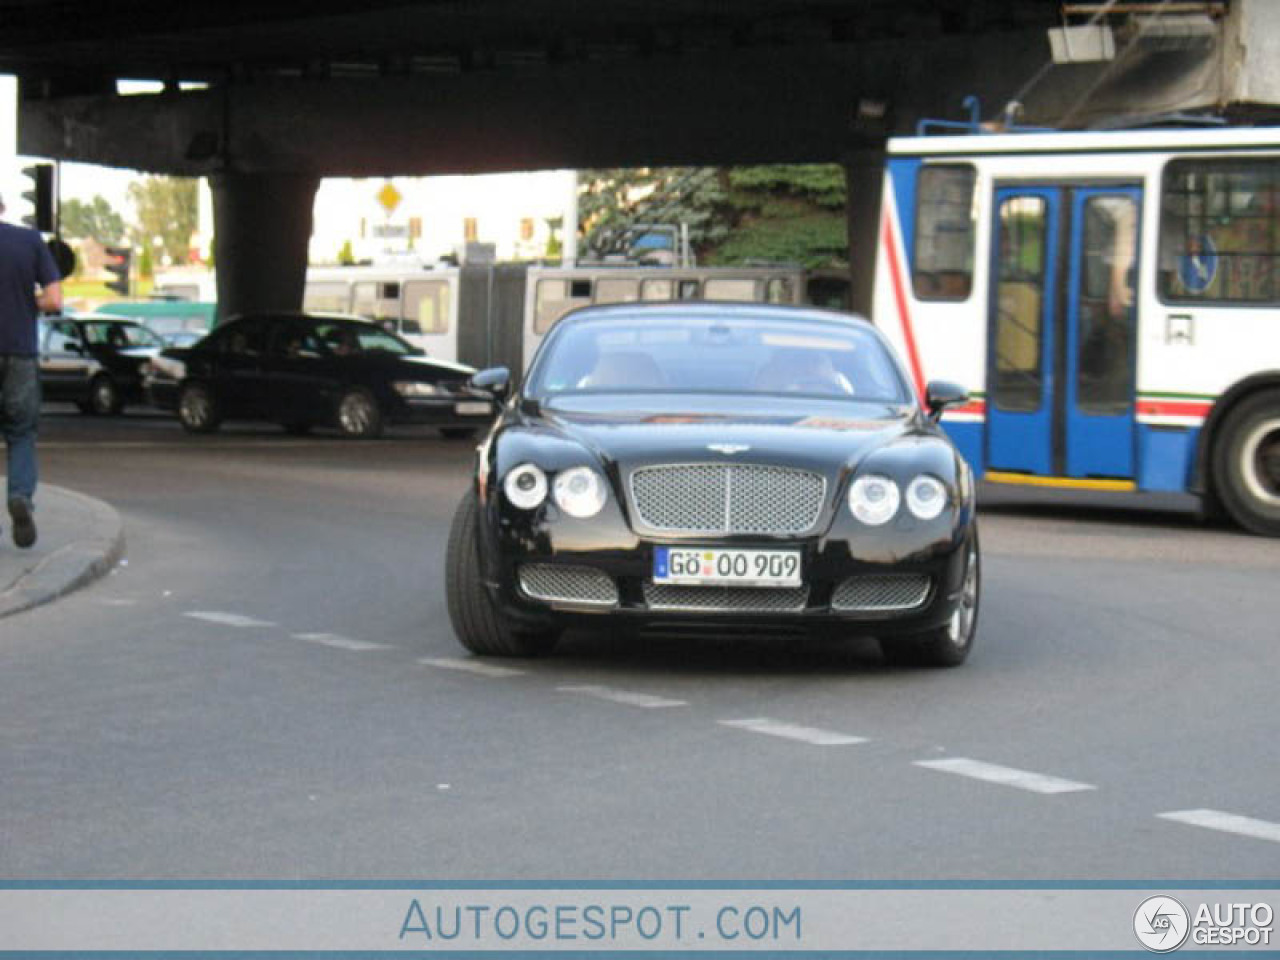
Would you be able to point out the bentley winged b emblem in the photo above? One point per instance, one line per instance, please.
(729, 448)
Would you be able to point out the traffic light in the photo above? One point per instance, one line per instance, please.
(41, 197)
(119, 261)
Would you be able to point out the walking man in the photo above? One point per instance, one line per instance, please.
(29, 282)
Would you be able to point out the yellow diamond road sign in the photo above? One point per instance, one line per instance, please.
(389, 197)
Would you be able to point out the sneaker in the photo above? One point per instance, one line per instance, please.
(24, 524)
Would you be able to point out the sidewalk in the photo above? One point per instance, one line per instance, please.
(80, 540)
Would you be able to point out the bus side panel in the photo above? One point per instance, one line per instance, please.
(1166, 457)
(506, 318)
(473, 314)
(944, 340)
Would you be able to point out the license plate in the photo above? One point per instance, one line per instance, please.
(709, 566)
(471, 408)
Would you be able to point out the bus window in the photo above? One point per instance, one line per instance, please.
(1019, 304)
(657, 290)
(376, 300)
(943, 262)
(779, 290)
(555, 298)
(426, 306)
(616, 290)
(687, 290)
(1219, 232)
(326, 298)
(724, 288)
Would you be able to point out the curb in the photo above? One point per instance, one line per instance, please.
(73, 566)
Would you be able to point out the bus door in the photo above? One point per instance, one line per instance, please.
(1062, 332)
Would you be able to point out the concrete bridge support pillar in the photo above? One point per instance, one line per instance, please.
(262, 229)
(864, 181)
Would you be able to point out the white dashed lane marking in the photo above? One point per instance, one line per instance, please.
(464, 665)
(340, 642)
(794, 731)
(227, 619)
(1226, 823)
(1005, 776)
(629, 697)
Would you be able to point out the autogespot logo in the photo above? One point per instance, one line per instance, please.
(1161, 924)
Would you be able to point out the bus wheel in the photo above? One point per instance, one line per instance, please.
(1246, 463)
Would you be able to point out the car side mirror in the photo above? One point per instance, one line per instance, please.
(940, 394)
(494, 380)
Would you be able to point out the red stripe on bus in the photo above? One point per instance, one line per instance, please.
(904, 315)
(1174, 408)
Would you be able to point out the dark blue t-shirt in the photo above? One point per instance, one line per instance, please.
(24, 262)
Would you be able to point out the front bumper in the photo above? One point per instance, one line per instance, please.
(450, 410)
(830, 563)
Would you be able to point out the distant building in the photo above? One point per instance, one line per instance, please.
(433, 217)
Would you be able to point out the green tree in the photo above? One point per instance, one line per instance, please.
(95, 219)
(555, 248)
(791, 213)
(346, 256)
(164, 207)
(146, 266)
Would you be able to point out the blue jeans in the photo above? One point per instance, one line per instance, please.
(19, 416)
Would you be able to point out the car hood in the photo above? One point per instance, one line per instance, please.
(428, 365)
(825, 436)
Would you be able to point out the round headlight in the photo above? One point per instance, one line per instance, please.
(525, 486)
(580, 492)
(926, 496)
(874, 499)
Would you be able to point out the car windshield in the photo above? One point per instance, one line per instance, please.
(752, 354)
(120, 335)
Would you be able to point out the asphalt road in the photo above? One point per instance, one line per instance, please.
(246, 698)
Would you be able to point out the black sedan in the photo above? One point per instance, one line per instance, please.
(95, 362)
(738, 467)
(305, 370)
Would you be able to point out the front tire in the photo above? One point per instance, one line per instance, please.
(477, 622)
(358, 415)
(1246, 463)
(104, 396)
(947, 646)
(457, 433)
(198, 409)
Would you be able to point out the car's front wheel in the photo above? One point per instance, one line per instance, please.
(457, 433)
(949, 645)
(358, 414)
(477, 622)
(104, 396)
(198, 409)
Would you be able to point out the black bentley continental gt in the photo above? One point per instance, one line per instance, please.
(721, 466)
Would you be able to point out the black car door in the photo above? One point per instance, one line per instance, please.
(234, 368)
(296, 373)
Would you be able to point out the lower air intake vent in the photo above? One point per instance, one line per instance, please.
(564, 584)
(665, 596)
(889, 591)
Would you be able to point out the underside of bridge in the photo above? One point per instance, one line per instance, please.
(266, 98)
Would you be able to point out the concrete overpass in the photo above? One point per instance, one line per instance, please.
(265, 99)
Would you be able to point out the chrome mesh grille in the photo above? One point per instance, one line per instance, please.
(727, 498)
(889, 591)
(566, 584)
(667, 596)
